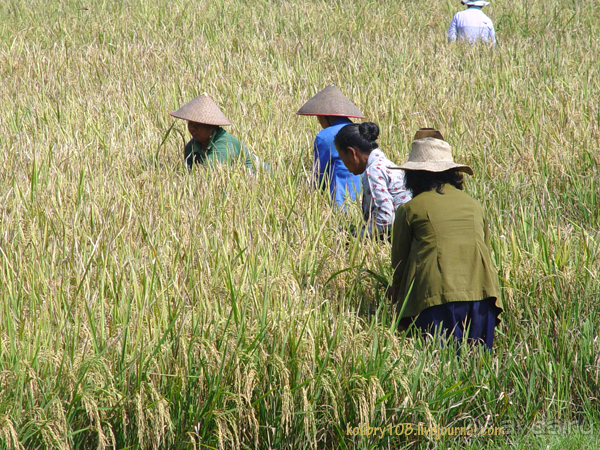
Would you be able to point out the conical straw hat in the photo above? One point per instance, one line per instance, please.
(202, 110)
(330, 102)
(432, 155)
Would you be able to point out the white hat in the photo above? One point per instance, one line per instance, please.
(202, 110)
(475, 3)
(432, 155)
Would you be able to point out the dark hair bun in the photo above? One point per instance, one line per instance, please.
(369, 131)
(358, 135)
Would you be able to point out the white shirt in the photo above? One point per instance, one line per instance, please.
(471, 24)
(383, 192)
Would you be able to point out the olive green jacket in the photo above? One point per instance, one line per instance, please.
(440, 252)
(222, 148)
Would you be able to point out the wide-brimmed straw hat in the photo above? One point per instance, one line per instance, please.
(431, 154)
(330, 102)
(202, 110)
(479, 3)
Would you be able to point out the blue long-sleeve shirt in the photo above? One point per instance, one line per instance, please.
(471, 24)
(329, 169)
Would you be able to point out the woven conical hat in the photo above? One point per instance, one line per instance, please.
(202, 110)
(330, 102)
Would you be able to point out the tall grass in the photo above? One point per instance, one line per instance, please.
(143, 306)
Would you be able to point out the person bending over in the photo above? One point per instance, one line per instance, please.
(444, 280)
(333, 111)
(210, 143)
(383, 189)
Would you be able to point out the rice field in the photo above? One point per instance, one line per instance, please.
(143, 306)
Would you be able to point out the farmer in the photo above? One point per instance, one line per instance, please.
(472, 24)
(333, 111)
(444, 280)
(383, 189)
(210, 143)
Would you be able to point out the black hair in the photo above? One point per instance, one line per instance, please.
(359, 135)
(418, 181)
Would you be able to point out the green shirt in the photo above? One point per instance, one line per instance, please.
(222, 148)
(440, 252)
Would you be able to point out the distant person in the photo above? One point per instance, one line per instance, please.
(333, 111)
(444, 279)
(472, 24)
(210, 143)
(383, 189)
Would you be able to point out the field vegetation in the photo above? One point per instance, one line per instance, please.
(143, 306)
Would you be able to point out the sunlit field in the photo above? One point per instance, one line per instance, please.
(143, 306)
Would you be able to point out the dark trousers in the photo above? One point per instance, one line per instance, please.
(474, 320)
